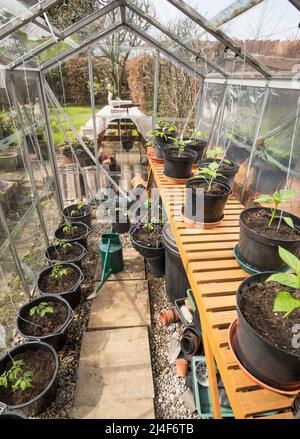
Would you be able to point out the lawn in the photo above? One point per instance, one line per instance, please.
(78, 116)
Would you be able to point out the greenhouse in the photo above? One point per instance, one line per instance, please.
(150, 209)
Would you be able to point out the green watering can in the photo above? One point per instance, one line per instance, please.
(111, 253)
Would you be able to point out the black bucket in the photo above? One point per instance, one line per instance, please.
(44, 399)
(82, 239)
(228, 176)
(178, 167)
(155, 257)
(50, 255)
(56, 339)
(86, 218)
(214, 204)
(260, 251)
(72, 296)
(176, 279)
(266, 362)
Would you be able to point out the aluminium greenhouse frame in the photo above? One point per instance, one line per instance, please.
(46, 95)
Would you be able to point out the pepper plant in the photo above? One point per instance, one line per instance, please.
(19, 379)
(194, 134)
(181, 144)
(41, 310)
(210, 173)
(277, 199)
(77, 209)
(58, 271)
(69, 228)
(285, 302)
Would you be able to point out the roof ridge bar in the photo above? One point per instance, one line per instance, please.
(221, 36)
(49, 65)
(66, 33)
(174, 37)
(33, 12)
(144, 36)
(122, 4)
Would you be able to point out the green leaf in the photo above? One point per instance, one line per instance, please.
(263, 199)
(285, 302)
(291, 260)
(288, 220)
(288, 280)
(213, 166)
(287, 194)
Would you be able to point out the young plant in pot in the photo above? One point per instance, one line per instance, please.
(73, 232)
(179, 160)
(263, 229)
(227, 168)
(215, 195)
(66, 252)
(268, 307)
(28, 376)
(63, 279)
(163, 137)
(46, 318)
(147, 240)
(196, 142)
(80, 212)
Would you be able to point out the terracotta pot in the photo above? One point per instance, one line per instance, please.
(168, 316)
(182, 367)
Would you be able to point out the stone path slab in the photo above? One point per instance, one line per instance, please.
(134, 267)
(121, 304)
(114, 366)
(133, 409)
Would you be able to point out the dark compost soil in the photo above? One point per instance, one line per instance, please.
(56, 285)
(65, 254)
(42, 365)
(258, 221)
(216, 189)
(49, 324)
(76, 233)
(148, 238)
(257, 305)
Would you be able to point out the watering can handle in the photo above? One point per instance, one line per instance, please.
(104, 275)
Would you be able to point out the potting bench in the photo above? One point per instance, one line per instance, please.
(214, 276)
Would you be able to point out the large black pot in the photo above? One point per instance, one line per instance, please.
(198, 146)
(85, 218)
(260, 251)
(214, 204)
(178, 166)
(73, 295)
(266, 362)
(56, 339)
(82, 239)
(228, 176)
(44, 399)
(52, 259)
(176, 279)
(155, 257)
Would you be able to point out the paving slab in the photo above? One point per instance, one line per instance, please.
(114, 365)
(134, 267)
(121, 304)
(133, 409)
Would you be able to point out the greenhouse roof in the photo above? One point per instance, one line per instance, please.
(224, 42)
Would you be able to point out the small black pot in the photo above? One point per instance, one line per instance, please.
(57, 339)
(266, 362)
(214, 205)
(121, 227)
(178, 167)
(127, 144)
(198, 146)
(162, 142)
(44, 399)
(229, 176)
(260, 251)
(73, 295)
(155, 257)
(82, 239)
(86, 218)
(77, 261)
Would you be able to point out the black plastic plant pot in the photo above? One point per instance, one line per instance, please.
(178, 165)
(120, 227)
(261, 252)
(267, 178)
(40, 402)
(155, 257)
(56, 339)
(165, 141)
(237, 154)
(81, 238)
(199, 147)
(214, 204)
(127, 144)
(73, 295)
(12, 415)
(269, 364)
(85, 218)
(228, 175)
(51, 255)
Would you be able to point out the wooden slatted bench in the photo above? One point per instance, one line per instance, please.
(214, 276)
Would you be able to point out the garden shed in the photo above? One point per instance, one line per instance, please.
(150, 209)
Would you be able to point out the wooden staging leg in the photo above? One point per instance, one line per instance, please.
(212, 376)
